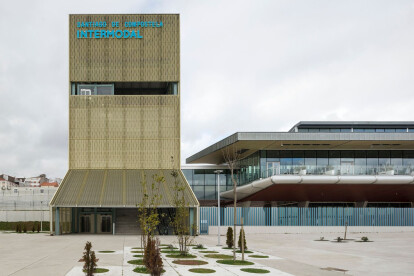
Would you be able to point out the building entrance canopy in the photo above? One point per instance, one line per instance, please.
(117, 188)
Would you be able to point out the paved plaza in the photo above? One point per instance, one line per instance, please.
(289, 254)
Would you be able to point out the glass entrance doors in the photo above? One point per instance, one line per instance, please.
(272, 168)
(106, 224)
(85, 224)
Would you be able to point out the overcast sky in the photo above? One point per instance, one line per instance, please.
(245, 66)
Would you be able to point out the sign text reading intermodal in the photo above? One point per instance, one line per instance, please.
(116, 33)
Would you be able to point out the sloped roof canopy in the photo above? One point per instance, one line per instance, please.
(117, 188)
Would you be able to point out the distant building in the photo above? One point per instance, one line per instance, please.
(49, 184)
(35, 181)
(6, 184)
(7, 177)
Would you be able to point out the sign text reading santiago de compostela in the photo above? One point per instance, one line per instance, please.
(101, 33)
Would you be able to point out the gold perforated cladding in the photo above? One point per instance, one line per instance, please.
(116, 188)
(155, 57)
(124, 132)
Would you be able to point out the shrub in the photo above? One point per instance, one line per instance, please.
(38, 228)
(152, 257)
(20, 228)
(339, 239)
(89, 259)
(24, 228)
(199, 246)
(242, 236)
(321, 238)
(17, 228)
(229, 240)
(33, 228)
(364, 239)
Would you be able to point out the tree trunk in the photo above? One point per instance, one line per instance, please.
(235, 219)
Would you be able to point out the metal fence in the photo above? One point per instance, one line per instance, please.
(295, 216)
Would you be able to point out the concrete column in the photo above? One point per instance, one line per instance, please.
(191, 221)
(361, 204)
(303, 204)
(57, 222)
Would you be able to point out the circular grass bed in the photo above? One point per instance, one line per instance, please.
(137, 248)
(236, 262)
(106, 251)
(180, 256)
(218, 256)
(259, 256)
(190, 262)
(199, 248)
(201, 270)
(245, 251)
(137, 251)
(136, 262)
(99, 270)
(170, 251)
(227, 247)
(208, 251)
(255, 270)
(138, 256)
(141, 269)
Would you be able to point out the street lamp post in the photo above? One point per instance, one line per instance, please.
(218, 205)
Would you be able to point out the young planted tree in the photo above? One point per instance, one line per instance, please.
(232, 156)
(242, 236)
(152, 257)
(149, 219)
(89, 259)
(182, 213)
(148, 216)
(229, 240)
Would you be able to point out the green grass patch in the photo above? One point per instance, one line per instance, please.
(227, 247)
(218, 256)
(190, 262)
(136, 262)
(137, 251)
(236, 262)
(208, 251)
(255, 270)
(106, 251)
(180, 256)
(201, 270)
(170, 251)
(137, 248)
(141, 269)
(138, 256)
(99, 270)
(245, 251)
(258, 256)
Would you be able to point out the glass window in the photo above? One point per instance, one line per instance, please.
(334, 157)
(360, 162)
(359, 130)
(379, 130)
(286, 157)
(210, 177)
(345, 130)
(372, 162)
(369, 130)
(411, 130)
(396, 161)
(324, 130)
(335, 130)
(310, 157)
(188, 175)
(390, 130)
(303, 130)
(401, 130)
(298, 157)
(347, 155)
(273, 154)
(198, 177)
(384, 158)
(322, 157)
(210, 192)
(199, 192)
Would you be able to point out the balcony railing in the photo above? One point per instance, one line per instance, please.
(337, 170)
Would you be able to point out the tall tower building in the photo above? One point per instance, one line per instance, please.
(124, 121)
